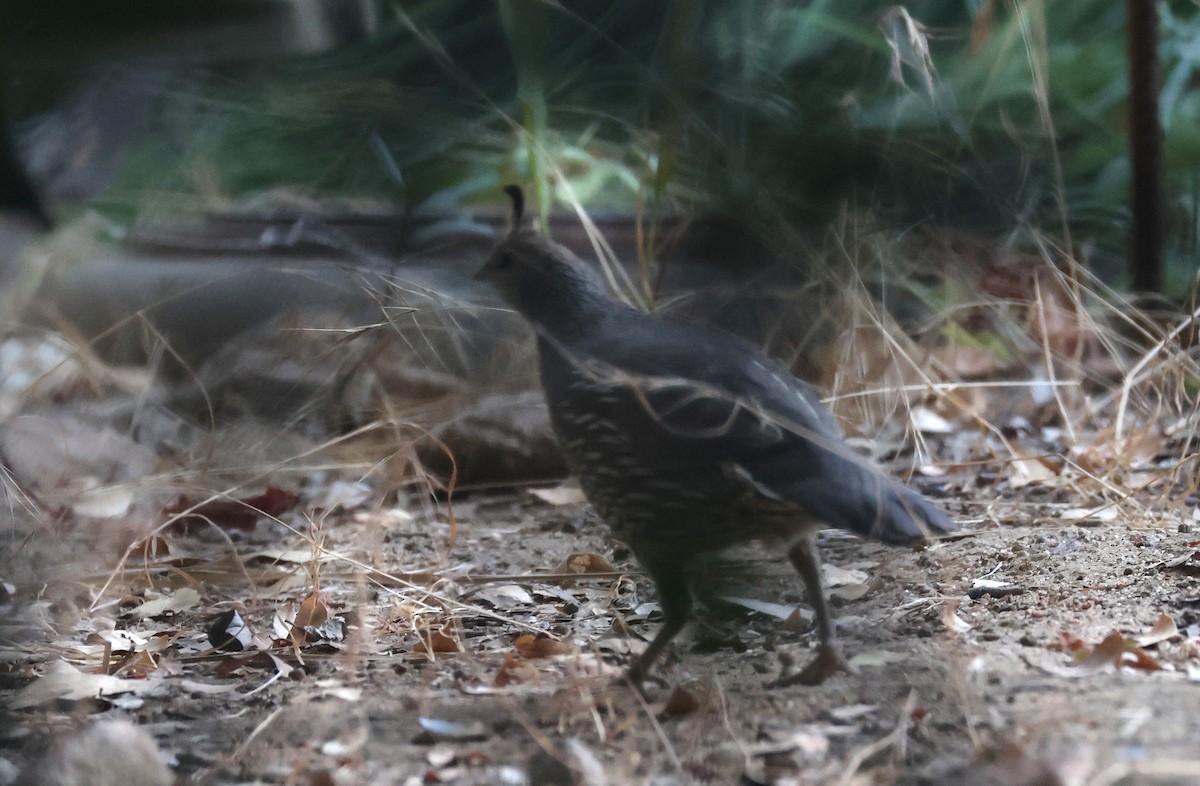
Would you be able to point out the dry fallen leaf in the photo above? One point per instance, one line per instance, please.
(779, 611)
(681, 702)
(1025, 470)
(927, 421)
(560, 495)
(313, 612)
(62, 681)
(234, 513)
(1188, 563)
(241, 665)
(1163, 630)
(514, 671)
(344, 495)
(443, 730)
(581, 562)
(849, 713)
(153, 547)
(968, 361)
(298, 622)
(798, 620)
(876, 658)
(511, 592)
(103, 502)
(953, 622)
(441, 755)
(137, 665)
(441, 641)
(850, 591)
(835, 576)
(180, 600)
(296, 556)
(1107, 452)
(539, 646)
(997, 589)
(1108, 513)
(1113, 652)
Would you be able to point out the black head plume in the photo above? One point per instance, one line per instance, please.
(518, 205)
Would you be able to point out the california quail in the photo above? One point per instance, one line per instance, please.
(687, 441)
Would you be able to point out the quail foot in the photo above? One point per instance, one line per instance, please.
(687, 441)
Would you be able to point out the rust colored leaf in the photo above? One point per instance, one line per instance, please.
(154, 547)
(137, 665)
(312, 613)
(231, 666)
(513, 671)
(681, 702)
(1114, 652)
(439, 641)
(539, 646)
(321, 778)
(1072, 643)
(582, 562)
(240, 514)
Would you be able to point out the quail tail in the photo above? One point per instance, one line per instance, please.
(908, 516)
(874, 507)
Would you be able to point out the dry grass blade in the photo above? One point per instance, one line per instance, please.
(895, 740)
(1144, 368)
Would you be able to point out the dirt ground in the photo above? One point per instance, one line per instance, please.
(979, 659)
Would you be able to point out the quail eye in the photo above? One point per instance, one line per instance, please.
(504, 261)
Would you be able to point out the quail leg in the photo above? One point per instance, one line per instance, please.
(829, 660)
(675, 597)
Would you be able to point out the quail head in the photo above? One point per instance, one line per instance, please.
(687, 441)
